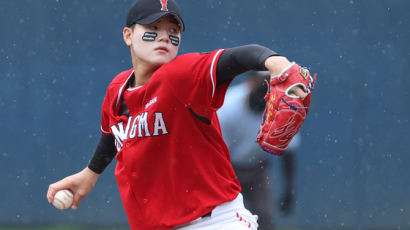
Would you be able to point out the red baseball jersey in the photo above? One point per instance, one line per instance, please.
(172, 163)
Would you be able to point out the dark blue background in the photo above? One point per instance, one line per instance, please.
(57, 58)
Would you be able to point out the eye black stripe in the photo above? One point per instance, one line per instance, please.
(174, 40)
(149, 36)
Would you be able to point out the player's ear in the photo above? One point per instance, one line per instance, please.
(127, 34)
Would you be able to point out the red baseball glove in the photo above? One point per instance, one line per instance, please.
(285, 111)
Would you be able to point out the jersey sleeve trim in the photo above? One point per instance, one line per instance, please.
(212, 71)
(122, 88)
(103, 131)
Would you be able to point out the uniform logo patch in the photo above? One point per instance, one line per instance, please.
(164, 4)
(304, 73)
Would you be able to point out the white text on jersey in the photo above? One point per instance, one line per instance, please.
(152, 101)
(138, 127)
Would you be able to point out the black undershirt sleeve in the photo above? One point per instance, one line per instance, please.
(237, 60)
(103, 155)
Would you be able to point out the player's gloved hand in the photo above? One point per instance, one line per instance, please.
(286, 108)
(286, 202)
(80, 184)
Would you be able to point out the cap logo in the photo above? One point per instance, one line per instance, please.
(164, 4)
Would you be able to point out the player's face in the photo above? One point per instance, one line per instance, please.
(155, 44)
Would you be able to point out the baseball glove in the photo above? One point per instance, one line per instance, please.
(285, 112)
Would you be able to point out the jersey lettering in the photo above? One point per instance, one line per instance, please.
(138, 124)
(143, 124)
(119, 133)
(159, 124)
(134, 127)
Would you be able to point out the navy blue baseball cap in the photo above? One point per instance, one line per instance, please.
(145, 12)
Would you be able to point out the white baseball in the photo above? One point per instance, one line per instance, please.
(63, 199)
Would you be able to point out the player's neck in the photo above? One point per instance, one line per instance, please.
(142, 74)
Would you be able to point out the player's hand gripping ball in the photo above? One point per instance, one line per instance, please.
(285, 112)
(63, 199)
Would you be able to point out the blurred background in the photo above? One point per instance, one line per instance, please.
(352, 172)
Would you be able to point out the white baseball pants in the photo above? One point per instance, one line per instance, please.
(228, 216)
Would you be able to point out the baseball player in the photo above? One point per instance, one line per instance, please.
(159, 121)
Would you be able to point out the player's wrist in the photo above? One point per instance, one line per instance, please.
(94, 169)
(90, 174)
(276, 64)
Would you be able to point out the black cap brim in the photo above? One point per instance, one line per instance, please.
(155, 17)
